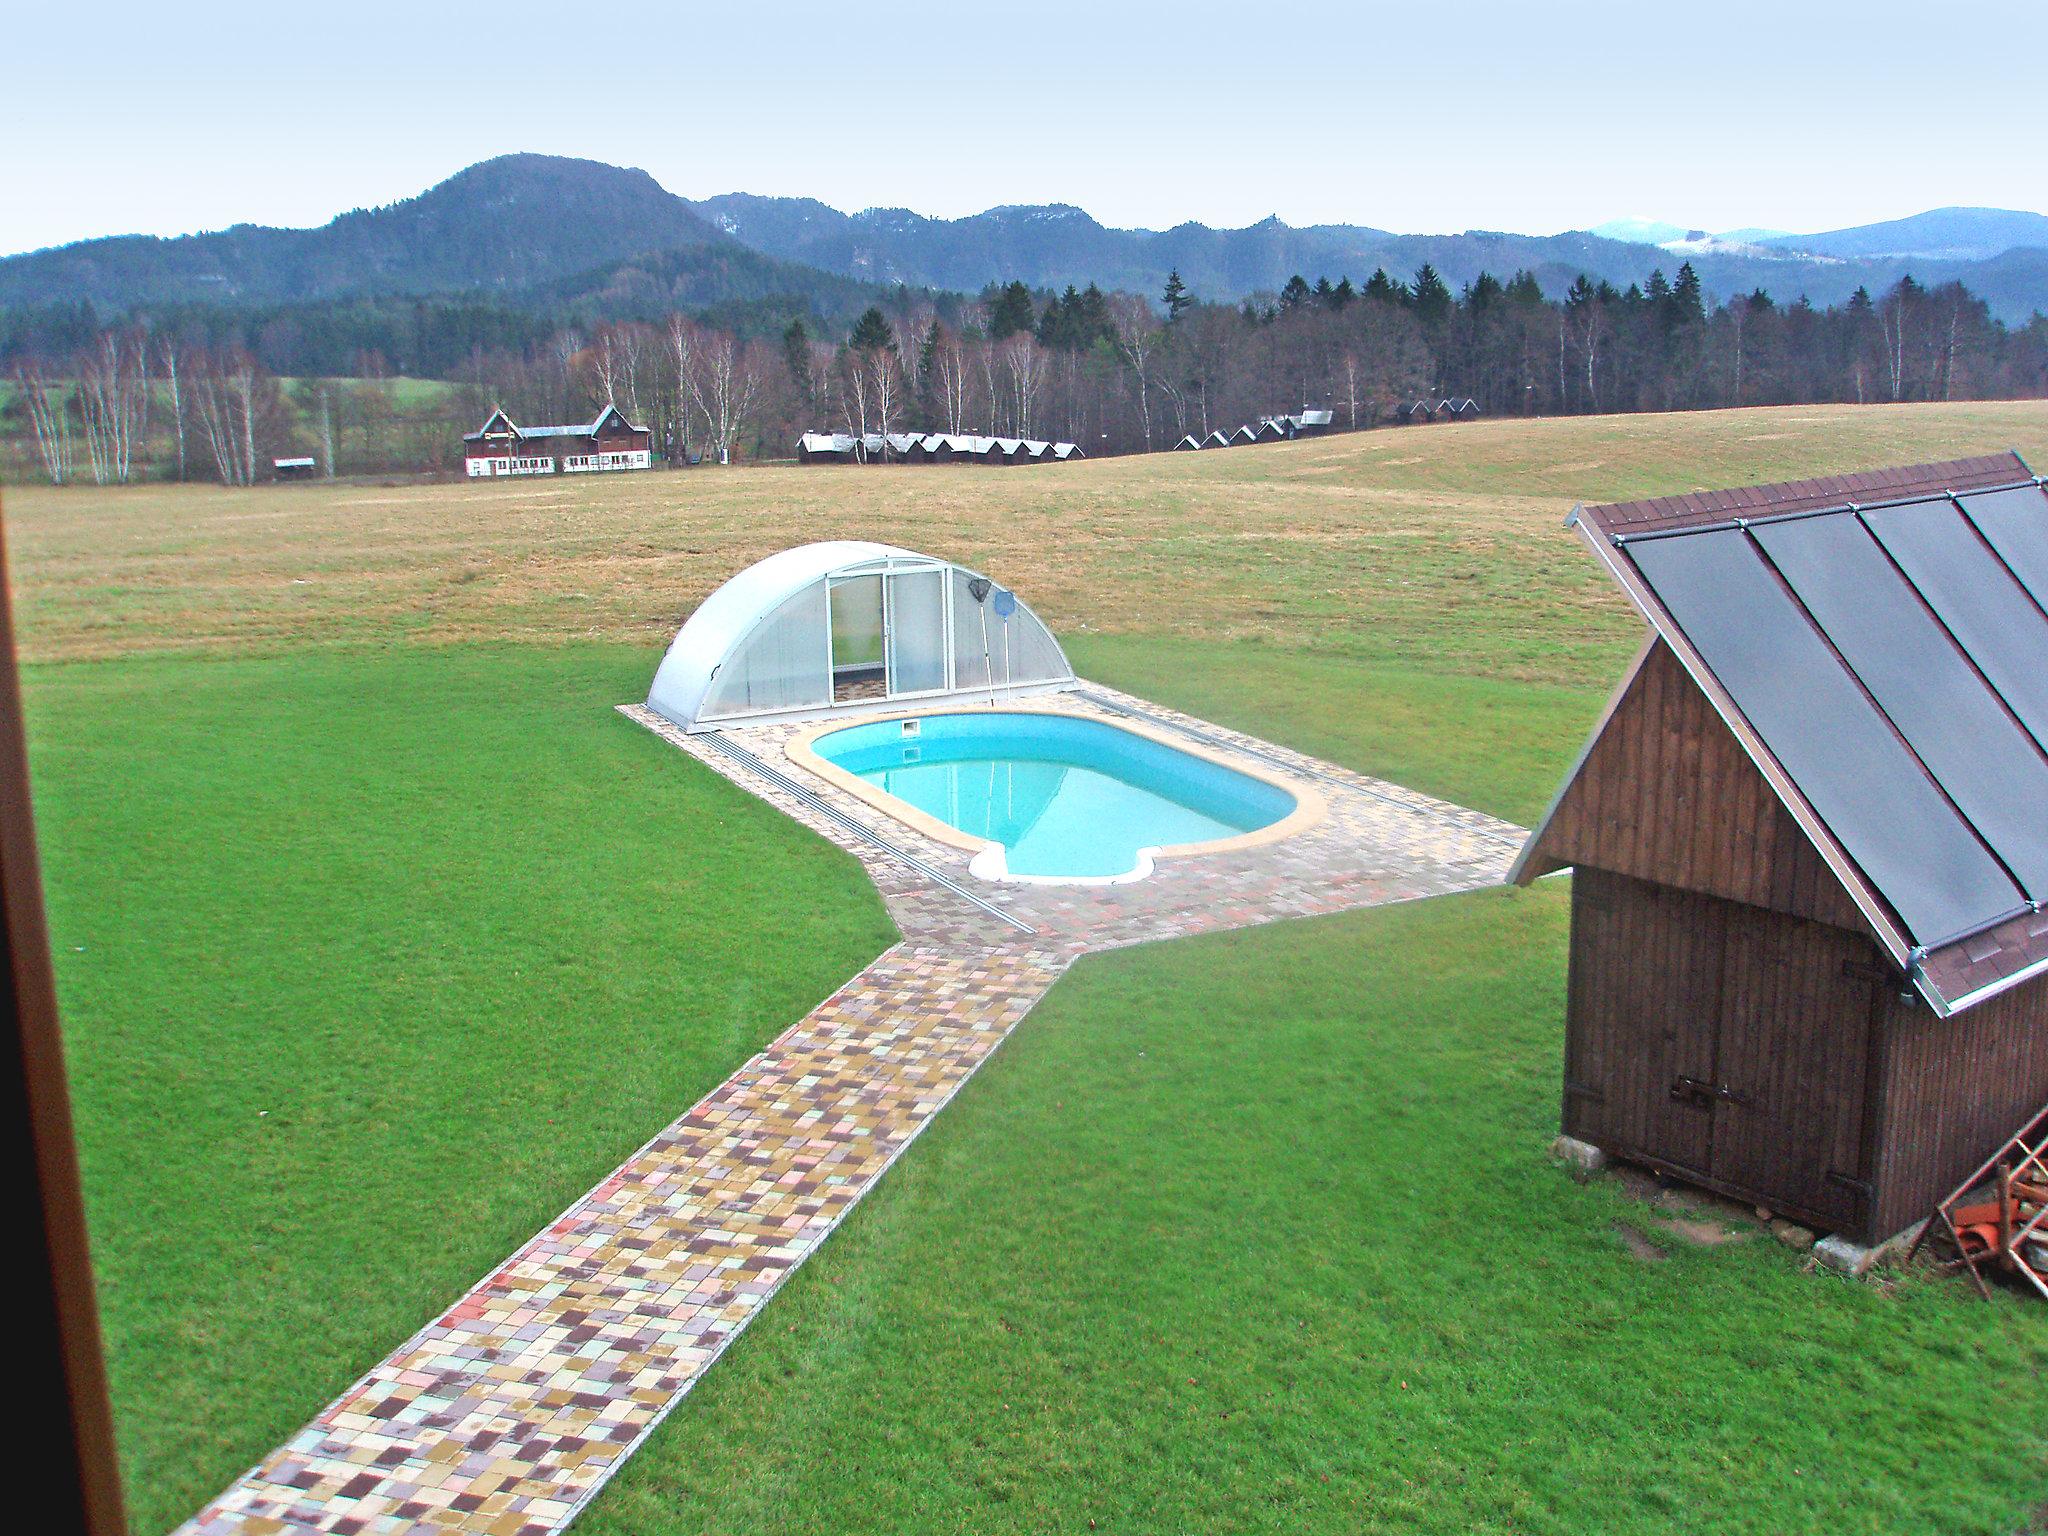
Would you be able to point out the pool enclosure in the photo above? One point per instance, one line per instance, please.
(825, 628)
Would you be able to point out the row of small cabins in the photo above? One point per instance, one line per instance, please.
(611, 442)
(930, 448)
(1307, 423)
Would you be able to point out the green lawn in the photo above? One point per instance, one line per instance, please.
(370, 964)
(1256, 1232)
(380, 939)
(1495, 744)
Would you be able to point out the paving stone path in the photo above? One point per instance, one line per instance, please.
(504, 1415)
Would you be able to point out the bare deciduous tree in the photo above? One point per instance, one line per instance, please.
(725, 382)
(49, 415)
(1137, 333)
(1024, 365)
(113, 382)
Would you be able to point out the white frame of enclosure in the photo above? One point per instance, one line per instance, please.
(889, 563)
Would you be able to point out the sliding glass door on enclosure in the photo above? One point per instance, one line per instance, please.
(917, 631)
(858, 650)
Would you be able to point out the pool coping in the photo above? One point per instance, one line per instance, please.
(1310, 806)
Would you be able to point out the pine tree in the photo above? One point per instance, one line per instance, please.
(1342, 294)
(1295, 294)
(871, 333)
(1176, 298)
(1432, 296)
(1384, 288)
(1012, 311)
(1092, 317)
(796, 357)
(1688, 307)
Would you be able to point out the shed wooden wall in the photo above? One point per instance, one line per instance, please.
(1667, 794)
(1951, 1091)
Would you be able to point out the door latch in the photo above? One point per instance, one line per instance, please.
(1702, 1094)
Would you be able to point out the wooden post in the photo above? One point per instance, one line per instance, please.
(66, 1433)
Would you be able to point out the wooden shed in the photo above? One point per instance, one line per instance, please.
(1809, 836)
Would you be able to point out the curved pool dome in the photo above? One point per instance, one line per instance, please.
(846, 625)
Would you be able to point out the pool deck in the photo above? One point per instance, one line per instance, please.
(504, 1415)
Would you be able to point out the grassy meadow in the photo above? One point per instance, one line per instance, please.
(380, 937)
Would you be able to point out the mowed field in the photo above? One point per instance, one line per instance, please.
(380, 938)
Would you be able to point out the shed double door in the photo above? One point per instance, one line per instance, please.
(1722, 1041)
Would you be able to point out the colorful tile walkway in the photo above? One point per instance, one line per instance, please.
(505, 1415)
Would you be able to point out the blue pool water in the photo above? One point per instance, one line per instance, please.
(1067, 798)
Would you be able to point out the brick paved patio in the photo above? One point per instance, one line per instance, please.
(505, 1414)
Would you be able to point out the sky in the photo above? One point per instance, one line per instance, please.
(1797, 116)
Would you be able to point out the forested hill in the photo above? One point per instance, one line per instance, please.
(496, 230)
(581, 238)
(1053, 245)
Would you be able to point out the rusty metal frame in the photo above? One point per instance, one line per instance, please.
(2007, 1176)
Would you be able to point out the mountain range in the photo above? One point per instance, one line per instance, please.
(541, 231)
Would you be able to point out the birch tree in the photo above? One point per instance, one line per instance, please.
(172, 354)
(1024, 365)
(113, 382)
(1136, 335)
(725, 383)
(49, 416)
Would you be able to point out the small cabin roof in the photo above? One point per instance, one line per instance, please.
(1878, 645)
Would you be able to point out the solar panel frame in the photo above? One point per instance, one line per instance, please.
(1984, 760)
(2014, 522)
(1812, 714)
(1977, 598)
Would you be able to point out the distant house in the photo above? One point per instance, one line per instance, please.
(1312, 423)
(1187, 444)
(1244, 435)
(502, 447)
(1413, 412)
(1216, 439)
(1274, 429)
(294, 469)
(1458, 409)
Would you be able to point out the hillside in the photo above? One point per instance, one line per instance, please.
(520, 229)
(1943, 234)
(1057, 244)
(539, 231)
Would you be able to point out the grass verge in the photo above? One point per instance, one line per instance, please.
(371, 963)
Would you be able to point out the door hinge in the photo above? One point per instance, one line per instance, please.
(1701, 1094)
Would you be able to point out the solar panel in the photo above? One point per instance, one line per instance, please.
(1973, 593)
(2016, 524)
(1851, 766)
(1988, 765)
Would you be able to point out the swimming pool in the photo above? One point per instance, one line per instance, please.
(1055, 797)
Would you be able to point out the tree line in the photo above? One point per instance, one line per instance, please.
(170, 397)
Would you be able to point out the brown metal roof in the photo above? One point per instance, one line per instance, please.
(1880, 650)
(1700, 508)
